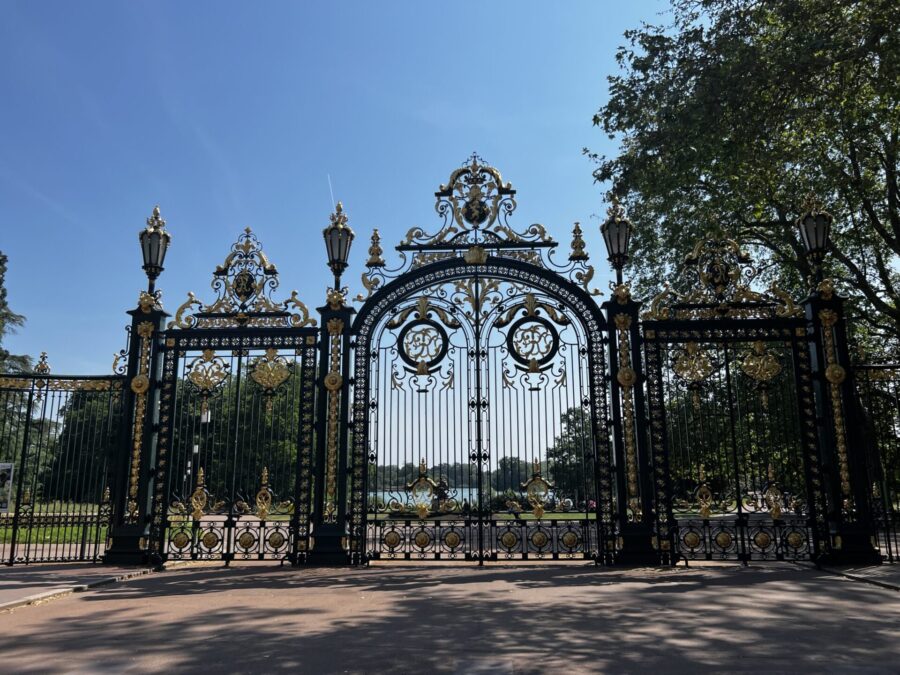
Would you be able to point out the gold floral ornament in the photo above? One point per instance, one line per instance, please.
(199, 497)
(762, 367)
(207, 373)
(578, 246)
(703, 494)
(421, 491)
(693, 365)
(537, 490)
(720, 277)
(264, 496)
(270, 372)
(773, 496)
(376, 253)
(244, 283)
(42, 368)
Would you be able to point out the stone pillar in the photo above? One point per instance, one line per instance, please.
(134, 465)
(329, 531)
(841, 434)
(633, 472)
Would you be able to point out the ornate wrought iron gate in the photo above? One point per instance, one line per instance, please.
(732, 416)
(235, 444)
(57, 440)
(480, 407)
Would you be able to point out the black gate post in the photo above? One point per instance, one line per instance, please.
(634, 484)
(841, 433)
(134, 462)
(329, 531)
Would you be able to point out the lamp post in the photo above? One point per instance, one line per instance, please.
(154, 243)
(815, 228)
(616, 231)
(338, 238)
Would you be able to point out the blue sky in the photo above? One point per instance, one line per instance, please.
(233, 114)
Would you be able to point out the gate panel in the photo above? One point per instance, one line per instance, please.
(732, 416)
(240, 465)
(57, 436)
(734, 428)
(480, 420)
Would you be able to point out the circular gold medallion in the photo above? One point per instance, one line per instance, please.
(835, 373)
(333, 381)
(691, 540)
(422, 539)
(391, 539)
(509, 539)
(723, 540)
(795, 540)
(452, 540)
(626, 376)
(246, 540)
(276, 540)
(181, 540)
(210, 540)
(570, 539)
(539, 539)
(762, 539)
(140, 384)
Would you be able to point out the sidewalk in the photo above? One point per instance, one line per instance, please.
(26, 584)
(886, 575)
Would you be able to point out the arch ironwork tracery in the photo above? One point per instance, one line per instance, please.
(479, 408)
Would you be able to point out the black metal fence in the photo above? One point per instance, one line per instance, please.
(879, 393)
(57, 437)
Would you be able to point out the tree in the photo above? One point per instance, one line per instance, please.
(732, 113)
(9, 321)
(569, 459)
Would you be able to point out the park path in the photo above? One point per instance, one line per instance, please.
(777, 618)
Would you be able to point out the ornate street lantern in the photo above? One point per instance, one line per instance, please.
(338, 238)
(154, 243)
(815, 228)
(616, 231)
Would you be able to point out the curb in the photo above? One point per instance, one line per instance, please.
(68, 590)
(853, 577)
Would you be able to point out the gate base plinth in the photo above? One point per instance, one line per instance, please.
(327, 552)
(637, 548)
(856, 549)
(126, 549)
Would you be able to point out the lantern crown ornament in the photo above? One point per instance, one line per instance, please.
(616, 231)
(815, 230)
(155, 240)
(338, 238)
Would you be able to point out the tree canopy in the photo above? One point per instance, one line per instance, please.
(9, 321)
(730, 113)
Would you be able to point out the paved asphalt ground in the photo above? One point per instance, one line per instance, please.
(501, 619)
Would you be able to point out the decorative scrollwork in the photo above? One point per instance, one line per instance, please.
(693, 365)
(207, 373)
(244, 283)
(537, 490)
(763, 367)
(421, 491)
(270, 372)
(718, 276)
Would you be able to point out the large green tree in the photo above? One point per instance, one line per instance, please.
(729, 112)
(9, 321)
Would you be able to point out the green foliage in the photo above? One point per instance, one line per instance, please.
(732, 113)
(9, 321)
(570, 470)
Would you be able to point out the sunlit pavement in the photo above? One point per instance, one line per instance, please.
(498, 619)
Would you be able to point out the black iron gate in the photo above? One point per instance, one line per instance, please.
(732, 416)
(480, 405)
(237, 411)
(57, 440)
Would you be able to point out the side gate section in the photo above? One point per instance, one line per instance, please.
(235, 448)
(732, 416)
(58, 435)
